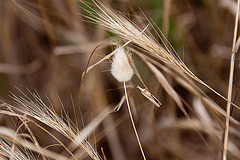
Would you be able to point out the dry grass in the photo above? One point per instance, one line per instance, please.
(50, 47)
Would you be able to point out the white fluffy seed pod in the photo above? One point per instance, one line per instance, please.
(121, 69)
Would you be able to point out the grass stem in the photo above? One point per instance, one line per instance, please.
(133, 124)
(230, 85)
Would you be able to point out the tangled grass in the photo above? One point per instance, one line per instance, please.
(189, 123)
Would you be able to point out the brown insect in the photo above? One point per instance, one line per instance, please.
(149, 96)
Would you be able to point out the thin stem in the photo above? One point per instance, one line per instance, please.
(133, 124)
(166, 15)
(230, 85)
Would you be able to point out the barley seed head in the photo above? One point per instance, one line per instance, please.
(121, 69)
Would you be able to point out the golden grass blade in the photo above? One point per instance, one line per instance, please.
(186, 82)
(135, 70)
(218, 109)
(94, 123)
(165, 84)
(203, 115)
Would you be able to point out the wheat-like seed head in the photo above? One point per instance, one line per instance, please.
(38, 110)
(17, 153)
(121, 69)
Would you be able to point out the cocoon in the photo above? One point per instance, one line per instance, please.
(121, 69)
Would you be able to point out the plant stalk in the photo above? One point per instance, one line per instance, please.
(133, 124)
(230, 85)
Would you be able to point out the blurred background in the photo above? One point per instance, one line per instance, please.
(45, 46)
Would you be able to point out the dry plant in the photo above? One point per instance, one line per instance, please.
(49, 128)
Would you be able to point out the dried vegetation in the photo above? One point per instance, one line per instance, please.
(56, 57)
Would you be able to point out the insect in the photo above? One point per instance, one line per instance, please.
(149, 96)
